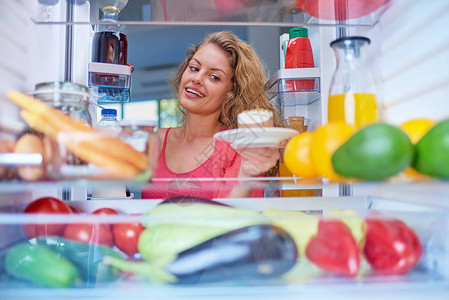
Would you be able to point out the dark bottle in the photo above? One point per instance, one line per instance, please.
(110, 44)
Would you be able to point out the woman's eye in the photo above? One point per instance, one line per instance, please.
(215, 78)
(193, 68)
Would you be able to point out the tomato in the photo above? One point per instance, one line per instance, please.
(74, 210)
(45, 205)
(339, 10)
(105, 211)
(90, 233)
(126, 236)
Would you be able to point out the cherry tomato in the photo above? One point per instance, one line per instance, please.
(126, 236)
(105, 211)
(89, 233)
(74, 210)
(45, 205)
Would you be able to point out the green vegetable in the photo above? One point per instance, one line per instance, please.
(173, 228)
(247, 253)
(375, 152)
(432, 152)
(40, 264)
(87, 257)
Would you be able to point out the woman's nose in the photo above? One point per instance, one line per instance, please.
(197, 78)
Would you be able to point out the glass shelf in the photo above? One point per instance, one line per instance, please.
(280, 13)
(280, 88)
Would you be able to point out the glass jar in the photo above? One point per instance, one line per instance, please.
(352, 95)
(73, 99)
(137, 133)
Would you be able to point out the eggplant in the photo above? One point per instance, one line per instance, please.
(253, 252)
(249, 253)
(186, 200)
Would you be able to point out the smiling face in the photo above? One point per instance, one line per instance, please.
(206, 81)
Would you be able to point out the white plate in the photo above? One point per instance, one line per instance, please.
(256, 137)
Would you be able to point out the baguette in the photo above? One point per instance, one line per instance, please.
(85, 150)
(57, 124)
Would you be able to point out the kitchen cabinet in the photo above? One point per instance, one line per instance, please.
(421, 204)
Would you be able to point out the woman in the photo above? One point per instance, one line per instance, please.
(219, 78)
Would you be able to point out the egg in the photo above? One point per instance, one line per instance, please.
(30, 143)
(6, 146)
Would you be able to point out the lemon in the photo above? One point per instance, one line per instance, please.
(416, 129)
(297, 156)
(326, 140)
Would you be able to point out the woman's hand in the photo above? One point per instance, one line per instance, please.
(257, 161)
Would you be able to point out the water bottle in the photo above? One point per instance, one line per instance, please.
(108, 121)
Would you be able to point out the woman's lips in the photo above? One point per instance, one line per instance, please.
(194, 92)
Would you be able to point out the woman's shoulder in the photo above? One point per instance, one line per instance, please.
(161, 133)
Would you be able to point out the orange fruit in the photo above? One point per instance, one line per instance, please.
(416, 129)
(326, 140)
(297, 156)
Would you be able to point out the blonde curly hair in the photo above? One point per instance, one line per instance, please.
(249, 89)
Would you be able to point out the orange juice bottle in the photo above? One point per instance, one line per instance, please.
(352, 96)
(358, 109)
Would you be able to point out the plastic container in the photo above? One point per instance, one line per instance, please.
(352, 94)
(181, 226)
(299, 55)
(110, 82)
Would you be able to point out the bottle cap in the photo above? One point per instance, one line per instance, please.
(298, 32)
(109, 111)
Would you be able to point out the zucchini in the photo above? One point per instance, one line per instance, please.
(39, 264)
(248, 253)
(88, 258)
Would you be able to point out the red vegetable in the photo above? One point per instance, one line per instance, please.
(391, 246)
(339, 9)
(126, 236)
(45, 205)
(74, 210)
(334, 249)
(105, 211)
(90, 233)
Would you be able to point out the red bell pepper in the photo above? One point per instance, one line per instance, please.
(391, 246)
(334, 249)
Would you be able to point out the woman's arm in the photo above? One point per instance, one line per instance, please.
(255, 162)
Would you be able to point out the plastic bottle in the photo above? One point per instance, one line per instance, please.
(108, 121)
(109, 124)
(110, 44)
(299, 55)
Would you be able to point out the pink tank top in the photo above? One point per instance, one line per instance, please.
(222, 162)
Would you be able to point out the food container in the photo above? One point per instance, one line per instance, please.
(188, 242)
(76, 150)
(137, 133)
(71, 98)
(110, 82)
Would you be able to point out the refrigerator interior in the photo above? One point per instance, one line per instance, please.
(408, 46)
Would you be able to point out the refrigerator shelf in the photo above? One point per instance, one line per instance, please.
(304, 279)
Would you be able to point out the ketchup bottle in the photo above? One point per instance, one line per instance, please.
(299, 55)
